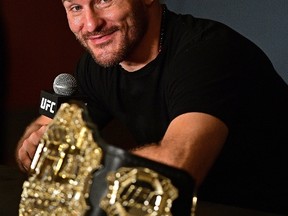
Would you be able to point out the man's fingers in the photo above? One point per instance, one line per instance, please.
(31, 143)
(27, 150)
(24, 159)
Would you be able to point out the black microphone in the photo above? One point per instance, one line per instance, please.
(65, 90)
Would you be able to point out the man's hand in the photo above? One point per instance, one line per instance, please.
(28, 144)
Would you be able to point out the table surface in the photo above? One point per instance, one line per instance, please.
(11, 181)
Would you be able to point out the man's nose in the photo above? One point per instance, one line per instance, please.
(93, 20)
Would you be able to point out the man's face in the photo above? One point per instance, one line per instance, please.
(108, 29)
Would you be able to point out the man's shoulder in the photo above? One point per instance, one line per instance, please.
(195, 27)
(185, 30)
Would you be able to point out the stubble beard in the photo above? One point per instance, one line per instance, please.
(126, 45)
(106, 59)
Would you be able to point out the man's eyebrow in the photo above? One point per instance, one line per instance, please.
(66, 0)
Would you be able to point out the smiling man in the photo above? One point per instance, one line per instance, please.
(194, 94)
(114, 29)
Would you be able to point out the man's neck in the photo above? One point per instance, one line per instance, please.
(148, 49)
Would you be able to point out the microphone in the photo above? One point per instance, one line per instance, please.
(65, 84)
(65, 89)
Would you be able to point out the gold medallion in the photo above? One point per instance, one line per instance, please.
(138, 191)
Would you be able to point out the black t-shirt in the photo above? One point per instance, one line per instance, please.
(204, 66)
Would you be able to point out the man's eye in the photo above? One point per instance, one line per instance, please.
(76, 8)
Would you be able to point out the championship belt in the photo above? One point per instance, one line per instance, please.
(74, 172)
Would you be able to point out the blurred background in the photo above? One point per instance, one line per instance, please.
(36, 45)
(263, 22)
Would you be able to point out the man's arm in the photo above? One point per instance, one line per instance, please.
(192, 142)
(28, 143)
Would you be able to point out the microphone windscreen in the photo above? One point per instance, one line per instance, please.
(65, 84)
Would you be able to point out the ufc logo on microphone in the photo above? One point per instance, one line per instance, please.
(48, 105)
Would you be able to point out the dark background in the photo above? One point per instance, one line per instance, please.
(39, 46)
(36, 45)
